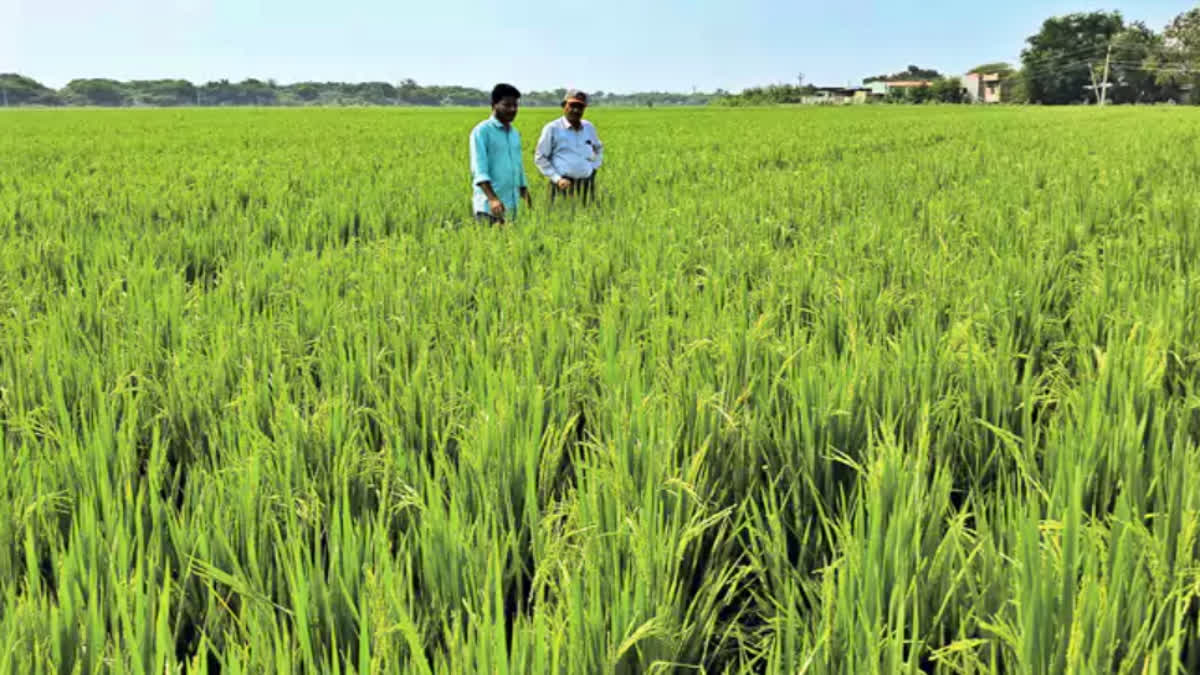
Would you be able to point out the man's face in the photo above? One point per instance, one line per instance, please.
(506, 109)
(574, 112)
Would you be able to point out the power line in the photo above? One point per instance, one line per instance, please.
(1093, 51)
(1068, 66)
(1129, 65)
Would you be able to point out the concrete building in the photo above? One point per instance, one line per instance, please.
(838, 96)
(881, 88)
(866, 95)
(982, 87)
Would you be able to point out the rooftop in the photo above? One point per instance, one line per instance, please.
(909, 83)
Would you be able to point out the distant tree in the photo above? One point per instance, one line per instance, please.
(376, 93)
(947, 90)
(20, 90)
(252, 91)
(1183, 37)
(1015, 88)
(307, 91)
(160, 92)
(1177, 62)
(98, 92)
(912, 73)
(218, 92)
(999, 68)
(1133, 49)
(922, 94)
(1059, 58)
(775, 94)
(411, 93)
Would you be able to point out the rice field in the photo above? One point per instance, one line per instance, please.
(872, 390)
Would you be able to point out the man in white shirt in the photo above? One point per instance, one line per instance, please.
(569, 152)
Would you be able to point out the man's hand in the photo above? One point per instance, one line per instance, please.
(497, 207)
(564, 183)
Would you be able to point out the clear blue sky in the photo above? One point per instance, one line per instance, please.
(614, 45)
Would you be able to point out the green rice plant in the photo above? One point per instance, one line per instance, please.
(808, 390)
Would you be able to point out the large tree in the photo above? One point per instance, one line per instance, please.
(1133, 82)
(98, 92)
(1015, 87)
(161, 92)
(20, 90)
(1177, 63)
(947, 90)
(1059, 60)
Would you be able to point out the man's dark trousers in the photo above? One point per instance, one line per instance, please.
(583, 188)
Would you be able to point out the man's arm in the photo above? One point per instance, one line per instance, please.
(598, 146)
(488, 192)
(479, 161)
(480, 174)
(495, 206)
(542, 153)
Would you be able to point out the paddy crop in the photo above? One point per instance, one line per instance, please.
(863, 390)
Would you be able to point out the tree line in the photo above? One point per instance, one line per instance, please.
(1075, 58)
(18, 90)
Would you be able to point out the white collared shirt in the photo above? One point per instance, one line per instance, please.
(564, 152)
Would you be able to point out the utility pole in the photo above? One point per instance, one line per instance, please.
(1101, 89)
(1107, 84)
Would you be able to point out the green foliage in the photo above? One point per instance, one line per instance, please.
(947, 90)
(162, 92)
(775, 94)
(1183, 35)
(1002, 68)
(95, 92)
(911, 73)
(253, 92)
(1060, 59)
(21, 90)
(871, 390)
(941, 90)
(1015, 88)
(1132, 49)
(1177, 62)
(1145, 66)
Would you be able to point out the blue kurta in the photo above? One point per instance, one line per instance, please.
(496, 157)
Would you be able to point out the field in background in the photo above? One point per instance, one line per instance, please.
(860, 390)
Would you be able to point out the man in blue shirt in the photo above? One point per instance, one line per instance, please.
(569, 152)
(497, 170)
